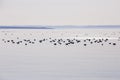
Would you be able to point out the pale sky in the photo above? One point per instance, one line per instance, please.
(59, 12)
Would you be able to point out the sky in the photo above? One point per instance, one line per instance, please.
(59, 12)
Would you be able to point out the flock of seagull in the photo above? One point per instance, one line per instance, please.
(26, 40)
(60, 41)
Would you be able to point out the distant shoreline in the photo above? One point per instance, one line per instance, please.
(16, 27)
(63, 27)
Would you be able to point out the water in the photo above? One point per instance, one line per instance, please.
(61, 63)
(49, 62)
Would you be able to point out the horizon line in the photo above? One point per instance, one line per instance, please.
(60, 27)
